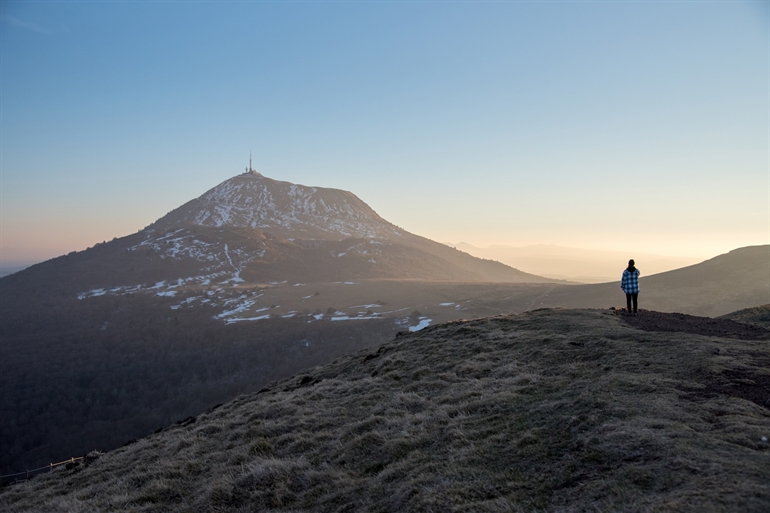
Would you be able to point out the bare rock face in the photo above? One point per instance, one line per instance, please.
(284, 209)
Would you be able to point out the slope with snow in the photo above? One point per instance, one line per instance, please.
(288, 210)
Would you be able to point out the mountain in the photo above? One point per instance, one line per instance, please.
(265, 230)
(254, 230)
(10, 269)
(551, 410)
(315, 234)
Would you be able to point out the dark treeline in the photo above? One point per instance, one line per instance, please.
(82, 375)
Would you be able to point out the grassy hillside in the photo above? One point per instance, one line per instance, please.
(756, 315)
(82, 375)
(550, 410)
(726, 283)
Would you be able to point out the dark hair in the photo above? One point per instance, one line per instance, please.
(631, 262)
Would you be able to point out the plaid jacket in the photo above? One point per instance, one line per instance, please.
(630, 282)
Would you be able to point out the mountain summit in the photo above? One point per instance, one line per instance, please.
(284, 209)
(254, 229)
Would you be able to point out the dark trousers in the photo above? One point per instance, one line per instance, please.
(629, 299)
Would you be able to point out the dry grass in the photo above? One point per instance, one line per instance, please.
(552, 410)
(757, 315)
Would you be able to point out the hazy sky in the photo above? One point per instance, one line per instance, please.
(633, 126)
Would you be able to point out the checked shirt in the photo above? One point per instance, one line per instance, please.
(630, 282)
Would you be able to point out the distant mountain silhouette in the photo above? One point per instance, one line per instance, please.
(574, 264)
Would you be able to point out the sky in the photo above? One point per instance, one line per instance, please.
(613, 125)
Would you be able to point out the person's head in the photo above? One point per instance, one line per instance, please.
(631, 263)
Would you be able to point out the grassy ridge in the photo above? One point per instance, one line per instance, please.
(551, 410)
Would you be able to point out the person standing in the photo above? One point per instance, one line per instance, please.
(630, 285)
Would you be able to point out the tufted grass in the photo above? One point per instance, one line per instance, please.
(551, 410)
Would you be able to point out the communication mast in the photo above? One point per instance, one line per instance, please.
(250, 169)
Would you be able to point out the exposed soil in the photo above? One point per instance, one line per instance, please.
(648, 320)
(752, 387)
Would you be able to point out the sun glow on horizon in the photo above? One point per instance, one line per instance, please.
(609, 126)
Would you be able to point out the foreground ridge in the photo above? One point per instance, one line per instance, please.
(549, 410)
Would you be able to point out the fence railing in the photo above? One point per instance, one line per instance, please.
(23, 476)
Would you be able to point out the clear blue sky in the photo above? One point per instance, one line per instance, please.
(637, 126)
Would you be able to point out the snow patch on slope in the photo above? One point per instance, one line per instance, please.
(257, 202)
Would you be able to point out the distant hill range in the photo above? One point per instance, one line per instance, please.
(574, 264)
